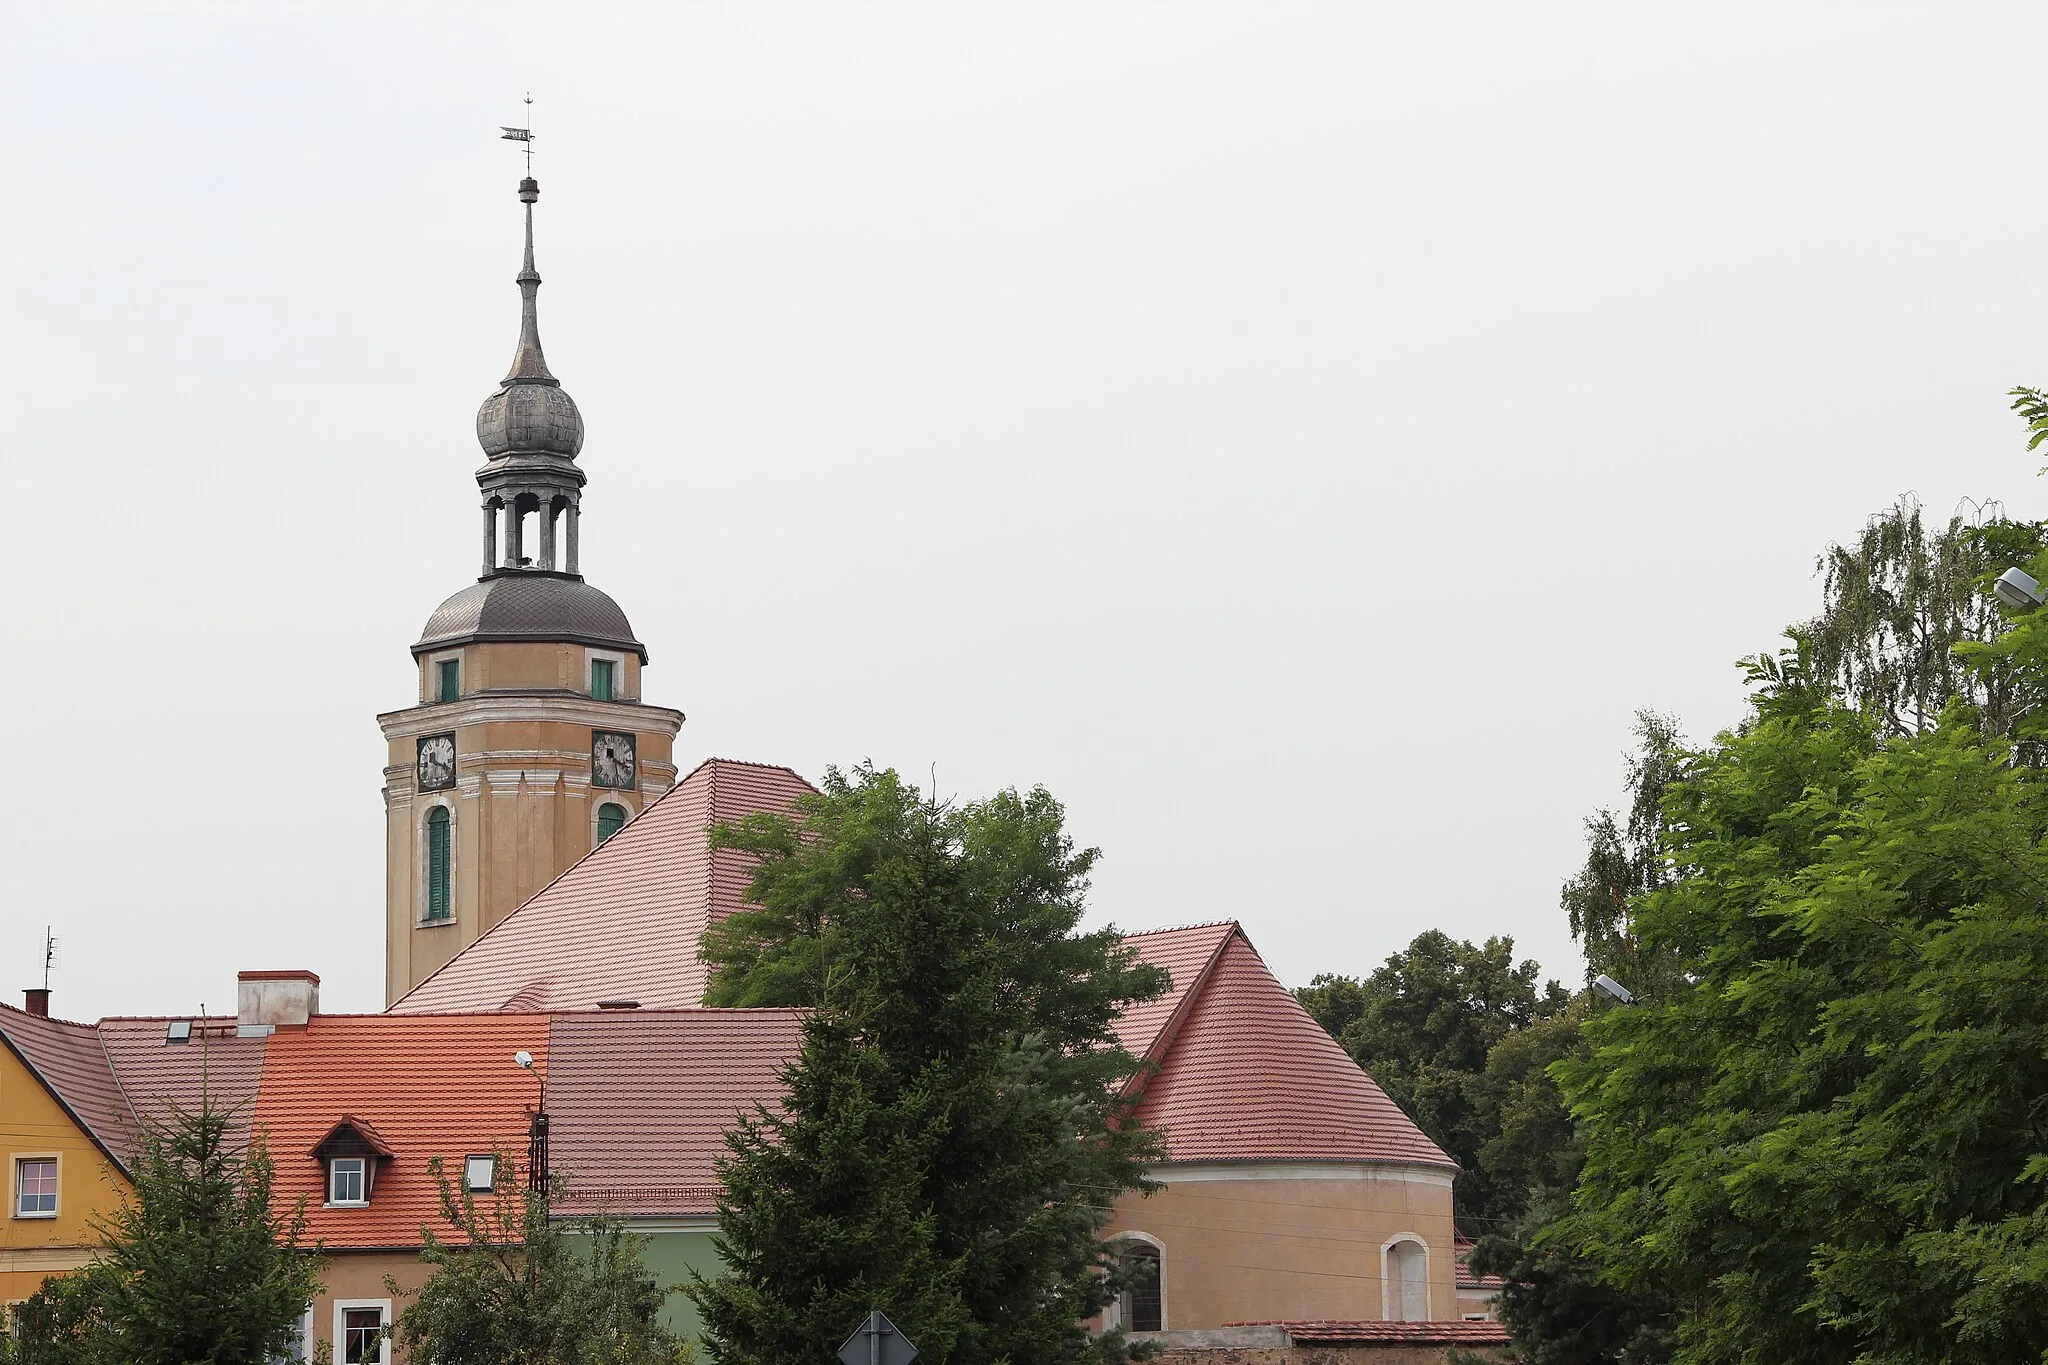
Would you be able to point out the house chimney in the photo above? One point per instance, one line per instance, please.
(38, 1000)
(268, 1001)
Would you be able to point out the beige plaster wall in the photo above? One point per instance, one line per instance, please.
(503, 664)
(524, 807)
(360, 1275)
(1290, 1242)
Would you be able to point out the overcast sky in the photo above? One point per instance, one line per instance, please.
(1298, 436)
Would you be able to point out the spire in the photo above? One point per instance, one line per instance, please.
(529, 366)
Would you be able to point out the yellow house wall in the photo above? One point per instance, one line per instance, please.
(1290, 1248)
(34, 1124)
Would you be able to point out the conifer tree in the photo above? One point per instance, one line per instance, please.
(957, 1123)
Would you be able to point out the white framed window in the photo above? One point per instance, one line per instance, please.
(1404, 1278)
(444, 678)
(480, 1174)
(437, 862)
(605, 675)
(362, 1331)
(298, 1347)
(1141, 1307)
(348, 1180)
(35, 1187)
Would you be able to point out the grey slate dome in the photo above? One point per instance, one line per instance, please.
(530, 419)
(528, 604)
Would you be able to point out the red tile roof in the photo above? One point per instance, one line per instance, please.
(160, 1077)
(1248, 1075)
(1186, 954)
(72, 1065)
(432, 1085)
(639, 1102)
(625, 921)
(1378, 1333)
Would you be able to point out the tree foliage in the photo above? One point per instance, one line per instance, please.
(514, 1285)
(1423, 1025)
(1828, 1147)
(1898, 602)
(193, 1268)
(958, 1121)
(1626, 860)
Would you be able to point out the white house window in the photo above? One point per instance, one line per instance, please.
(1405, 1282)
(1141, 1304)
(361, 1332)
(298, 1347)
(345, 1180)
(480, 1174)
(35, 1187)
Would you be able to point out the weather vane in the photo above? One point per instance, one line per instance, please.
(524, 135)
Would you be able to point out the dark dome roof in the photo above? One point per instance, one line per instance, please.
(530, 604)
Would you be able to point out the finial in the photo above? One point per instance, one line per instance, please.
(528, 363)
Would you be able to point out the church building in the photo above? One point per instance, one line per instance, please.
(1294, 1188)
(529, 744)
(549, 877)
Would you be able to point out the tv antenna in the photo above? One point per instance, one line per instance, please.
(49, 954)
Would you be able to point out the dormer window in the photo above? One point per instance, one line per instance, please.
(347, 1181)
(352, 1153)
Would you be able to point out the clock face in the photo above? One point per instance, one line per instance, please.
(611, 760)
(437, 762)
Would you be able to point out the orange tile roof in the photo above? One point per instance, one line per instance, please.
(1373, 1333)
(1248, 1075)
(432, 1085)
(625, 921)
(639, 1102)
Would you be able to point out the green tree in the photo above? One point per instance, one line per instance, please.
(515, 1285)
(1897, 602)
(1827, 1148)
(1626, 860)
(959, 1118)
(1422, 1025)
(193, 1268)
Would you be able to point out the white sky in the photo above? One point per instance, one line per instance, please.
(1299, 436)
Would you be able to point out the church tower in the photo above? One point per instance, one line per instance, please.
(530, 744)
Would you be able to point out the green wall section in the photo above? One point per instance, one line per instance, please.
(671, 1254)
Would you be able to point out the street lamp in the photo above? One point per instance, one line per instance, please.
(1607, 985)
(537, 1131)
(2018, 588)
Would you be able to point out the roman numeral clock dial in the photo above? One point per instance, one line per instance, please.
(436, 763)
(611, 760)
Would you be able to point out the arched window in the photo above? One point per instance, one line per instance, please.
(439, 856)
(611, 818)
(1404, 1282)
(1141, 1304)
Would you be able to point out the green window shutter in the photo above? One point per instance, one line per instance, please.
(601, 679)
(610, 820)
(437, 864)
(450, 680)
